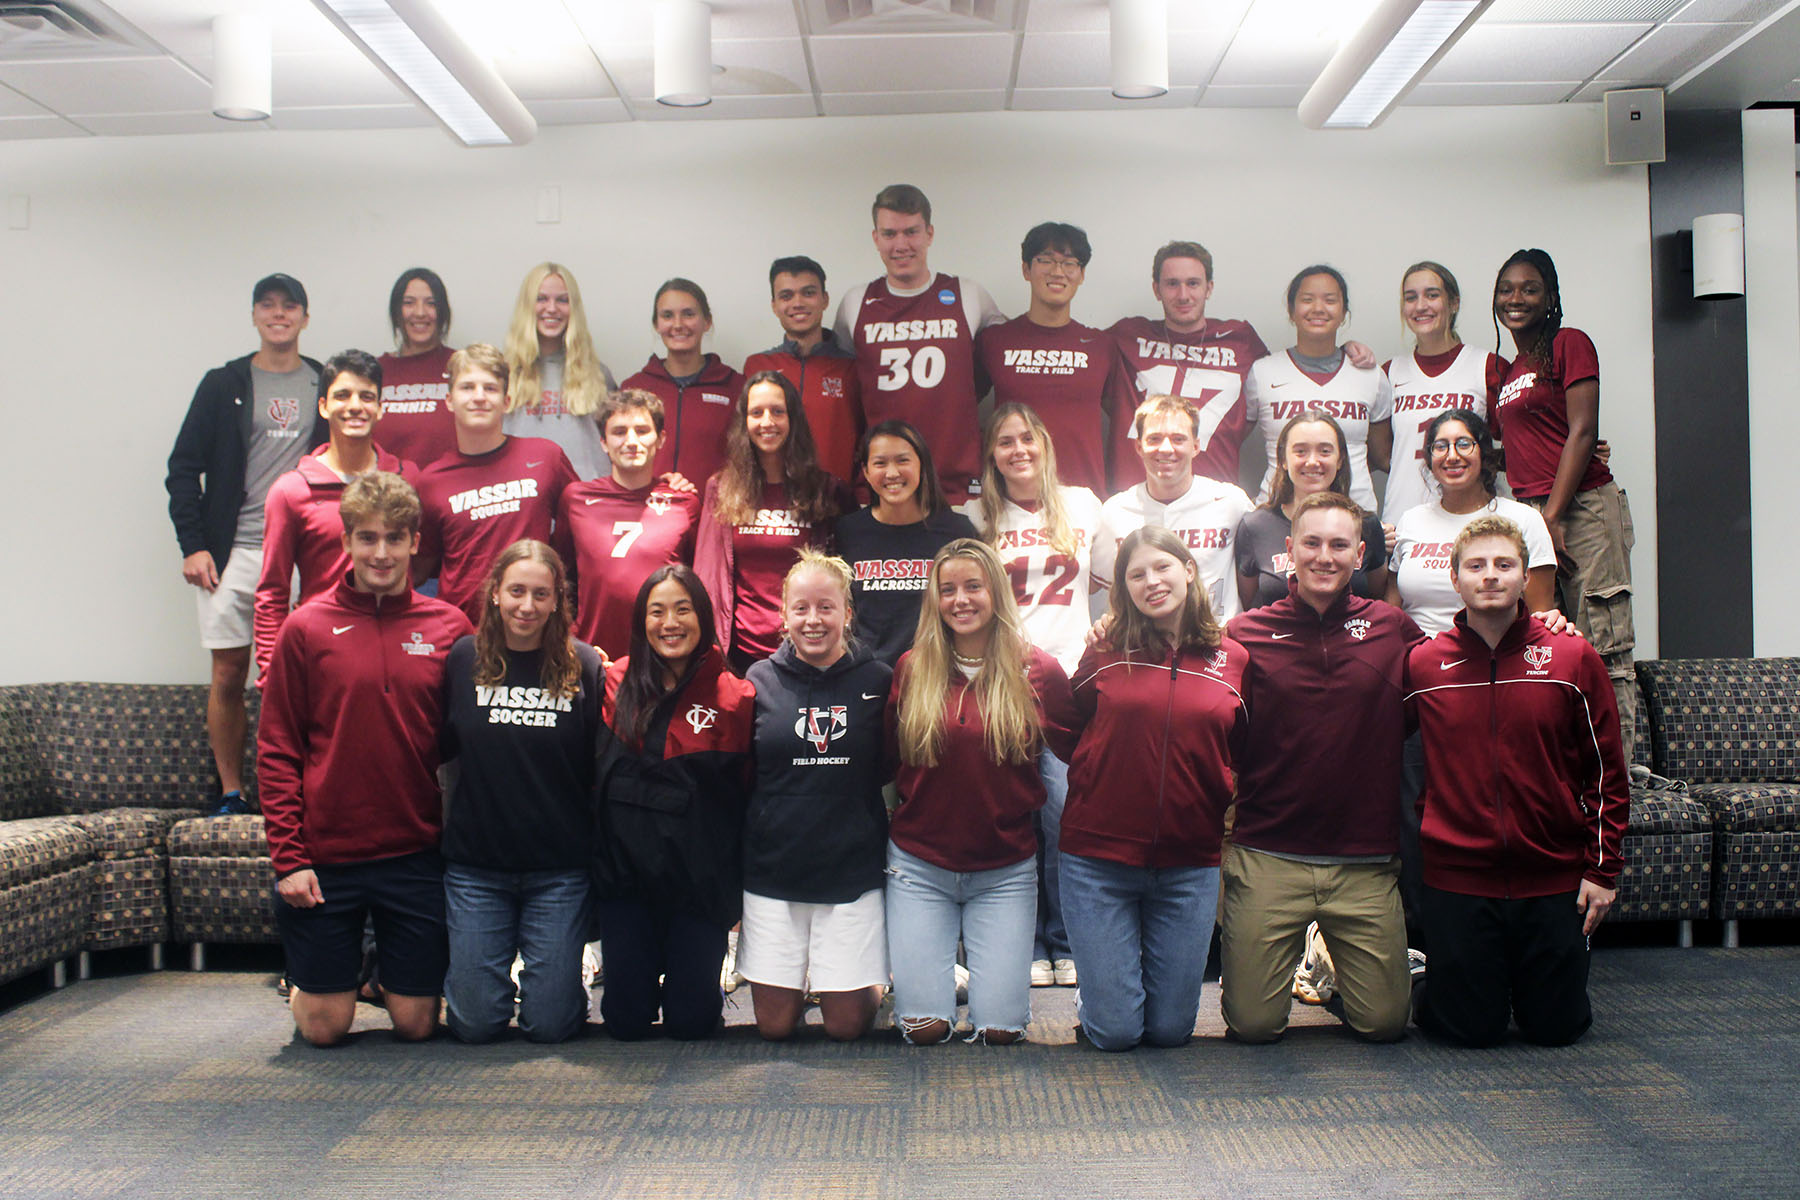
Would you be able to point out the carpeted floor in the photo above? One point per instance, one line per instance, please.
(176, 1084)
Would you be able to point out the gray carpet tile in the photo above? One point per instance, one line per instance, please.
(176, 1084)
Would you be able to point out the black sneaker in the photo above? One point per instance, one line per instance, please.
(231, 804)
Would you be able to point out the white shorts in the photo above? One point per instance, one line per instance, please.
(226, 612)
(821, 947)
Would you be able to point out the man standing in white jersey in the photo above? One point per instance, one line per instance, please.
(913, 331)
(1199, 510)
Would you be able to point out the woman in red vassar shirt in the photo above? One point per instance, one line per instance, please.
(769, 499)
(1548, 413)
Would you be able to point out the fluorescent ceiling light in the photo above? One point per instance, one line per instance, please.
(416, 47)
(1381, 62)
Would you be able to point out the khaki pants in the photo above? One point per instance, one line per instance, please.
(1598, 534)
(1269, 902)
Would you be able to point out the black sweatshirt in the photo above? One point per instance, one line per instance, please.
(888, 565)
(816, 831)
(523, 798)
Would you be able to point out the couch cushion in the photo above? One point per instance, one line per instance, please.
(1724, 720)
(1751, 807)
(120, 833)
(25, 789)
(238, 836)
(1667, 812)
(130, 745)
(39, 847)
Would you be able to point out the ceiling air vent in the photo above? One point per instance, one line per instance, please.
(46, 29)
(909, 16)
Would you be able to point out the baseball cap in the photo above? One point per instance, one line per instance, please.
(279, 282)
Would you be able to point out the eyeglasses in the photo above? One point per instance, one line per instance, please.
(1049, 262)
(1463, 445)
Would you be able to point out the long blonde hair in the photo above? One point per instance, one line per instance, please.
(1002, 692)
(584, 381)
(1063, 538)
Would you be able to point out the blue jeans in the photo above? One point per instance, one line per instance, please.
(928, 907)
(1140, 936)
(540, 915)
(1050, 940)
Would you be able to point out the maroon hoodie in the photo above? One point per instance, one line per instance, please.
(1152, 774)
(1526, 791)
(695, 417)
(347, 749)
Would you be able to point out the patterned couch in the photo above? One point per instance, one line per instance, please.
(1730, 730)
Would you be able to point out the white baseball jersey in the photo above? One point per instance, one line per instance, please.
(1423, 539)
(1278, 390)
(1420, 395)
(1205, 518)
(1051, 587)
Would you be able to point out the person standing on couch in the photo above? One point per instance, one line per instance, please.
(348, 756)
(248, 424)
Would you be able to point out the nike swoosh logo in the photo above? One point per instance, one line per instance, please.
(1446, 666)
(594, 501)
(871, 300)
(341, 628)
(530, 465)
(876, 696)
(1277, 637)
(1282, 383)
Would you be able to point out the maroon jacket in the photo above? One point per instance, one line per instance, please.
(829, 392)
(1321, 766)
(969, 813)
(695, 417)
(1152, 774)
(1526, 791)
(347, 749)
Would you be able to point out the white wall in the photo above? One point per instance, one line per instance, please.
(134, 276)
(1772, 314)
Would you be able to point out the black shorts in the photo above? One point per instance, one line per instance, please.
(404, 897)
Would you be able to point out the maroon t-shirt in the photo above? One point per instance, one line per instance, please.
(1531, 414)
(1073, 378)
(761, 554)
(612, 537)
(415, 416)
(473, 506)
(1208, 368)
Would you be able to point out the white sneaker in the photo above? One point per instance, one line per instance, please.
(1042, 973)
(962, 984)
(593, 974)
(1064, 969)
(729, 979)
(1315, 980)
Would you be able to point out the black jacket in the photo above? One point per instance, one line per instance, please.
(206, 467)
(816, 831)
(671, 812)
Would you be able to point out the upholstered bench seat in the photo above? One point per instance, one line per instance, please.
(1668, 868)
(46, 893)
(131, 899)
(221, 885)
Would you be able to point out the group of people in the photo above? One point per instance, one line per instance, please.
(684, 681)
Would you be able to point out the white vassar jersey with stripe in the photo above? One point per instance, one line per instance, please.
(1419, 397)
(1278, 390)
(1050, 586)
(1205, 518)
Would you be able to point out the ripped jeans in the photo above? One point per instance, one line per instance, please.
(994, 912)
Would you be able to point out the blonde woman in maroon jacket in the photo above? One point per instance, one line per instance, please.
(1162, 711)
(1524, 806)
(973, 705)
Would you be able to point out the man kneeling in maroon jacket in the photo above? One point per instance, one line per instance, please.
(348, 757)
(1523, 809)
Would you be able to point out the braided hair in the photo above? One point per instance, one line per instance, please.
(1539, 261)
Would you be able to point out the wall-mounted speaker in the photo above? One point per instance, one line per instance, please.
(1634, 126)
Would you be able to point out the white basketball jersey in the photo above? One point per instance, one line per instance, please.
(1051, 587)
(1277, 391)
(1205, 519)
(1418, 399)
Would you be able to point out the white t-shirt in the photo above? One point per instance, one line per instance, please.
(1205, 518)
(1277, 390)
(1419, 397)
(1423, 539)
(1051, 588)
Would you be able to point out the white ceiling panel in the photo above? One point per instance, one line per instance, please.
(1089, 16)
(26, 128)
(353, 116)
(1086, 99)
(120, 124)
(730, 107)
(866, 104)
(1725, 10)
(1286, 41)
(315, 78)
(1578, 11)
(157, 85)
(579, 112)
(184, 27)
(966, 62)
(1255, 95)
(1491, 93)
(12, 104)
(1593, 92)
(572, 74)
(750, 68)
(1663, 54)
(1063, 60)
(1533, 53)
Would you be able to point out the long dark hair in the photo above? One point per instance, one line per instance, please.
(811, 491)
(560, 671)
(642, 689)
(931, 492)
(1281, 485)
(1539, 261)
(1484, 442)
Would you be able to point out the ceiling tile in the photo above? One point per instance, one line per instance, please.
(1595, 91)
(353, 116)
(1089, 16)
(1490, 93)
(724, 108)
(571, 74)
(1724, 10)
(1264, 52)
(26, 128)
(751, 68)
(314, 78)
(923, 63)
(866, 104)
(1255, 95)
(1076, 99)
(1531, 53)
(1577, 11)
(579, 112)
(184, 27)
(1059, 60)
(1669, 51)
(118, 86)
(114, 124)
(12, 104)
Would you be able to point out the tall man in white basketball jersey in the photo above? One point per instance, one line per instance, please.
(1199, 510)
(913, 331)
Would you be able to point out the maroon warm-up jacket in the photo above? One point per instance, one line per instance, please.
(1321, 767)
(1526, 788)
(347, 750)
(1152, 774)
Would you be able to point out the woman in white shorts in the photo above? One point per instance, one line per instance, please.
(815, 835)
